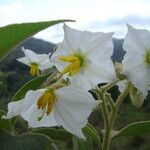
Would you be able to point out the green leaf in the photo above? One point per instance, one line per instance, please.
(4, 123)
(14, 34)
(32, 85)
(55, 134)
(89, 130)
(135, 129)
(25, 142)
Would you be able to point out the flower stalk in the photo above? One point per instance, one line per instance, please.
(110, 116)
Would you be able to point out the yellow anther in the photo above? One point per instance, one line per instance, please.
(71, 68)
(47, 101)
(75, 65)
(34, 69)
(70, 59)
(148, 57)
(73, 72)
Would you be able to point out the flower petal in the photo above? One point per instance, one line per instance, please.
(32, 97)
(100, 72)
(94, 74)
(14, 109)
(43, 57)
(62, 49)
(72, 37)
(98, 45)
(24, 60)
(134, 66)
(139, 76)
(33, 114)
(81, 81)
(137, 40)
(44, 62)
(68, 45)
(96, 50)
(72, 108)
(31, 56)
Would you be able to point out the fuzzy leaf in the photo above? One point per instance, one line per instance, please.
(14, 34)
(135, 129)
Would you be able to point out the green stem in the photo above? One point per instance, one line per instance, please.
(123, 95)
(109, 85)
(110, 101)
(105, 110)
(105, 114)
(112, 116)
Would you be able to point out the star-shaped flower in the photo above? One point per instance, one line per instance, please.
(68, 107)
(136, 63)
(35, 61)
(85, 57)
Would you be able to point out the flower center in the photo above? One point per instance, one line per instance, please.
(148, 57)
(34, 69)
(46, 101)
(76, 62)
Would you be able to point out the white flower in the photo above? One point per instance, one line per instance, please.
(35, 61)
(136, 63)
(68, 107)
(85, 57)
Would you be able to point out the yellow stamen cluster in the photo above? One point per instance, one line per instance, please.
(74, 67)
(46, 101)
(34, 69)
(148, 57)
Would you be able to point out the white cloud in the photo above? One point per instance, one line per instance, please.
(85, 12)
(10, 13)
(11, 8)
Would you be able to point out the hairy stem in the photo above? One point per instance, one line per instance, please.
(105, 114)
(109, 119)
(110, 101)
(109, 85)
(122, 95)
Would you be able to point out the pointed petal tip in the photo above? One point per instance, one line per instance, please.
(128, 25)
(65, 27)
(80, 134)
(4, 117)
(19, 59)
(131, 28)
(23, 49)
(83, 137)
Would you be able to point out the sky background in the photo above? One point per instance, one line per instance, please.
(93, 15)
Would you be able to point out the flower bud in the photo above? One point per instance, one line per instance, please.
(119, 69)
(136, 97)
